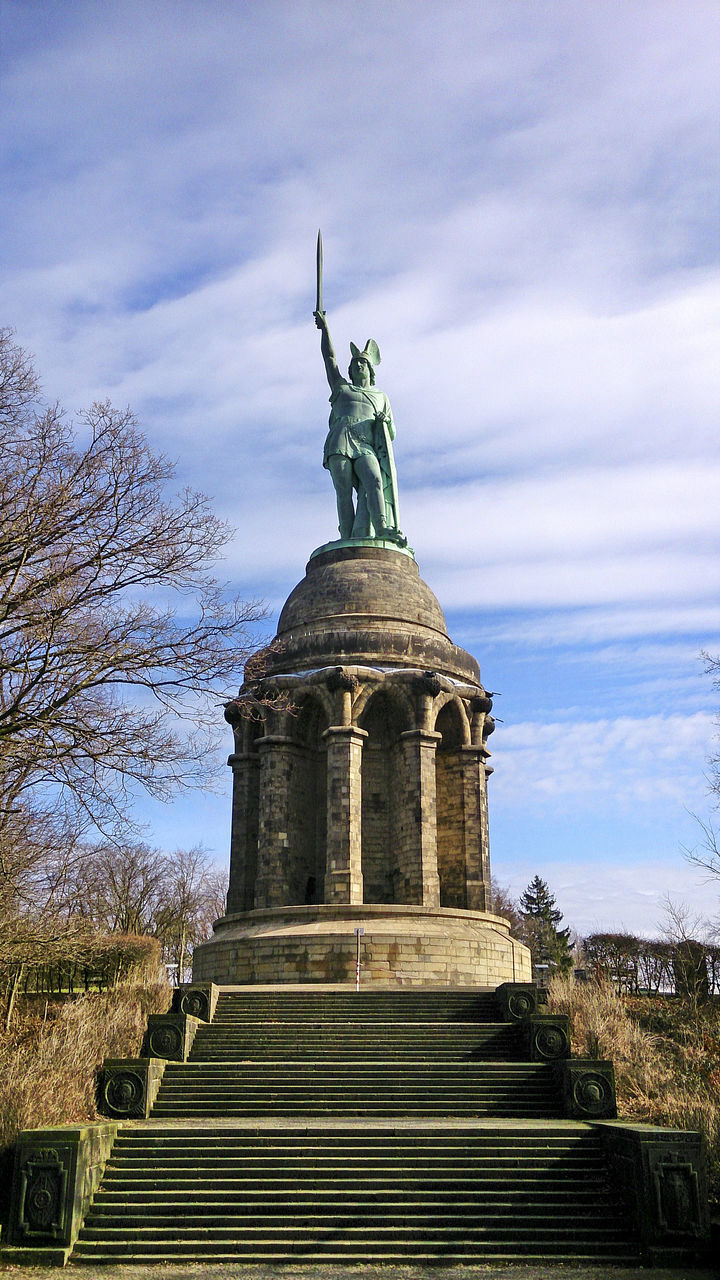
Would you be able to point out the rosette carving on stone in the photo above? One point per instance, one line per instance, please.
(196, 1003)
(123, 1093)
(593, 1095)
(166, 1042)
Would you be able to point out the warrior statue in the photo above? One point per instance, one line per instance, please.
(358, 449)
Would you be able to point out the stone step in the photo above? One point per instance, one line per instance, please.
(98, 1256)
(469, 1106)
(163, 1158)
(382, 1186)
(355, 1217)
(176, 1190)
(374, 1147)
(343, 1241)
(394, 1004)
(349, 1070)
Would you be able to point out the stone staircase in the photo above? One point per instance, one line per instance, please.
(349, 1127)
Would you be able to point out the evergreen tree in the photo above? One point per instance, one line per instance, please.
(540, 919)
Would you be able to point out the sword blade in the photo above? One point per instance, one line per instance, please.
(319, 273)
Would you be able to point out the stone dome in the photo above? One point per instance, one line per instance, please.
(365, 605)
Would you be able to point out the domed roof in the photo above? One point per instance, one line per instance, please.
(365, 605)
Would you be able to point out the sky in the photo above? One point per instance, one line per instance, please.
(519, 202)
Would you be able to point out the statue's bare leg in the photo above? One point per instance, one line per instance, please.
(369, 474)
(341, 470)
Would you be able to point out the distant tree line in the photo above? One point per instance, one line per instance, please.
(645, 966)
(681, 962)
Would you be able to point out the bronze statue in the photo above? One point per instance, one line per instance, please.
(358, 449)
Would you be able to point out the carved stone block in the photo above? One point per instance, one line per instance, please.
(662, 1176)
(127, 1087)
(517, 1000)
(196, 999)
(56, 1173)
(169, 1036)
(547, 1037)
(588, 1089)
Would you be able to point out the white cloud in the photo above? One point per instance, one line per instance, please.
(626, 762)
(606, 896)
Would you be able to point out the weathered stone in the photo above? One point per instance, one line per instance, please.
(127, 1087)
(588, 1089)
(169, 1036)
(196, 999)
(56, 1173)
(662, 1177)
(517, 1000)
(369, 788)
(365, 605)
(547, 1036)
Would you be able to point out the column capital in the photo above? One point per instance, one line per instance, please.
(349, 732)
(425, 737)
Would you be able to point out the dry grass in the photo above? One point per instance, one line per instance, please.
(666, 1054)
(48, 1059)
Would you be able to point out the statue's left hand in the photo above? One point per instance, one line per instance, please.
(320, 319)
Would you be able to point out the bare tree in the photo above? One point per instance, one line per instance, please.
(707, 855)
(119, 888)
(112, 625)
(689, 936)
(195, 899)
(504, 904)
(133, 888)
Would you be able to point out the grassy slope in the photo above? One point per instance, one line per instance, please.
(666, 1053)
(49, 1057)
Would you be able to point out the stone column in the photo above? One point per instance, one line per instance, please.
(244, 831)
(475, 828)
(343, 879)
(417, 854)
(275, 821)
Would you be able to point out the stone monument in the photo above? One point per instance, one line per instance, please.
(359, 819)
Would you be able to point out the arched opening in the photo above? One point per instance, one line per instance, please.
(307, 807)
(383, 720)
(450, 807)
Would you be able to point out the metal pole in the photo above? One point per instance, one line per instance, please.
(358, 934)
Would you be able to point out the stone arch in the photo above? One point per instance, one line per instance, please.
(255, 727)
(384, 719)
(446, 699)
(307, 807)
(451, 723)
(399, 696)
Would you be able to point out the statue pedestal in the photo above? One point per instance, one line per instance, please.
(360, 793)
(401, 946)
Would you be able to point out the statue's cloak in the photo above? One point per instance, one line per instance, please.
(383, 443)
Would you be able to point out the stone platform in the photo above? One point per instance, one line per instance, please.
(402, 945)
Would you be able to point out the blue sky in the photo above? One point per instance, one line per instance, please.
(519, 201)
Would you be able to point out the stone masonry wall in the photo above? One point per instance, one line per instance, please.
(407, 958)
(450, 829)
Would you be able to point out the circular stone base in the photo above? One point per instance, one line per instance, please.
(401, 945)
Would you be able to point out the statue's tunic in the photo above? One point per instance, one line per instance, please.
(361, 423)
